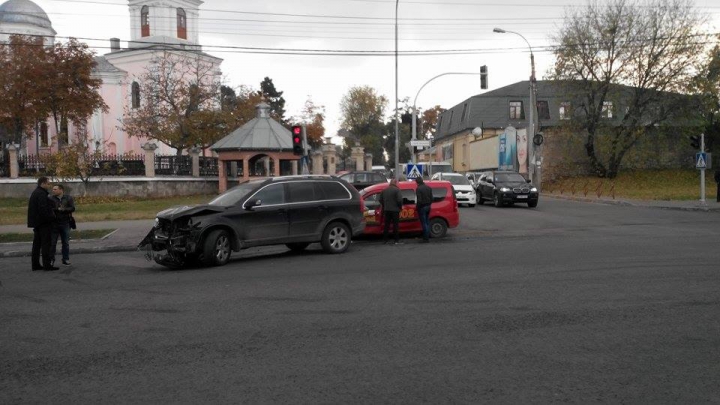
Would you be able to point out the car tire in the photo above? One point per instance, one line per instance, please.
(496, 200)
(532, 204)
(216, 248)
(438, 228)
(297, 247)
(336, 238)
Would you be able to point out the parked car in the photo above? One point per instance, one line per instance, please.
(443, 211)
(360, 180)
(503, 188)
(464, 191)
(292, 210)
(381, 170)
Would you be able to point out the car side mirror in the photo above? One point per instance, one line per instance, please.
(252, 204)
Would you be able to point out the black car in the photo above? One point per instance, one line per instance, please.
(504, 188)
(293, 210)
(360, 180)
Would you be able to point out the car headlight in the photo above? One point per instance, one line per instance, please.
(533, 190)
(504, 190)
(157, 223)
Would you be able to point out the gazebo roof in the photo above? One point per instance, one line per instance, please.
(262, 133)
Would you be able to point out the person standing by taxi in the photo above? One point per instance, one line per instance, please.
(424, 200)
(64, 207)
(391, 202)
(41, 218)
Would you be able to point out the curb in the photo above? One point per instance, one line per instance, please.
(79, 250)
(630, 204)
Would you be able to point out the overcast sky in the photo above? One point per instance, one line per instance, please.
(354, 25)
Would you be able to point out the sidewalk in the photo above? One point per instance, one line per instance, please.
(126, 238)
(690, 205)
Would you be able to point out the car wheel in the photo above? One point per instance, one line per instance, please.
(496, 200)
(216, 249)
(532, 204)
(438, 228)
(336, 238)
(297, 247)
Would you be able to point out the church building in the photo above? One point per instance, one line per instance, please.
(156, 27)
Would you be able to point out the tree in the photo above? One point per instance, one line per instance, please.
(71, 93)
(362, 115)
(245, 106)
(313, 117)
(179, 103)
(430, 119)
(228, 98)
(274, 98)
(650, 48)
(75, 161)
(24, 72)
(707, 86)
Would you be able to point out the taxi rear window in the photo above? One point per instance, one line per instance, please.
(439, 193)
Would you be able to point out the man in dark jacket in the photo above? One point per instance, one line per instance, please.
(717, 183)
(41, 218)
(64, 206)
(391, 201)
(423, 203)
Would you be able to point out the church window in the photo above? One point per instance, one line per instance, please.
(145, 21)
(43, 136)
(181, 24)
(135, 95)
(64, 135)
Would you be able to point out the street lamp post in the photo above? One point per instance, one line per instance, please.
(414, 108)
(534, 170)
(397, 125)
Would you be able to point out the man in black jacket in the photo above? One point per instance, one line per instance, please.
(391, 201)
(423, 203)
(64, 206)
(717, 183)
(41, 218)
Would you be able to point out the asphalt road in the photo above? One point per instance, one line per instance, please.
(569, 302)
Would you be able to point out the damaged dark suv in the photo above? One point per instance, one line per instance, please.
(293, 210)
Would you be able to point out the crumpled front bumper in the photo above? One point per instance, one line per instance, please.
(164, 249)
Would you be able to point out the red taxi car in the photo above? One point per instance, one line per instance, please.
(443, 211)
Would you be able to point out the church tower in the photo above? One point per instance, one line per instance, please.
(170, 22)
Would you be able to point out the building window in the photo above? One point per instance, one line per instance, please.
(43, 135)
(135, 95)
(565, 112)
(607, 109)
(181, 24)
(145, 21)
(516, 110)
(63, 136)
(464, 113)
(452, 113)
(543, 110)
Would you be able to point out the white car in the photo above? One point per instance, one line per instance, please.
(464, 191)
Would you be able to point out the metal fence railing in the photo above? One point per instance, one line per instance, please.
(173, 165)
(208, 167)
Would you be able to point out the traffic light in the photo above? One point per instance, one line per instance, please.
(297, 140)
(483, 77)
(695, 141)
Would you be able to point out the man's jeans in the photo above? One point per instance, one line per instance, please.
(62, 231)
(424, 214)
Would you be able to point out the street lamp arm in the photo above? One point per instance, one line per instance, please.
(440, 75)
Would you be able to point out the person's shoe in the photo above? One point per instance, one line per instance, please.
(66, 262)
(51, 268)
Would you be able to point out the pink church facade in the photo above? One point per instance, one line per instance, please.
(157, 27)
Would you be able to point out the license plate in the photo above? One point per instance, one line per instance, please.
(522, 196)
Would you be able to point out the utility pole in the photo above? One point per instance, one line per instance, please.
(397, 125)
(702, 171)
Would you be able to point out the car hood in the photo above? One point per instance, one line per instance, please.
(187, 210)
(515, 184)
(464, 188)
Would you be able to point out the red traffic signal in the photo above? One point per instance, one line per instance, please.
(297, 140)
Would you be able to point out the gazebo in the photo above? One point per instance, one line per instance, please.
(263, 146)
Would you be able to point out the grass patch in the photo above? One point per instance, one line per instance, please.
(663, 185)
(74, 235)
(13, 211)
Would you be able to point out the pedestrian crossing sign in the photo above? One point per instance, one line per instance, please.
(413, 171)
(701, 160)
